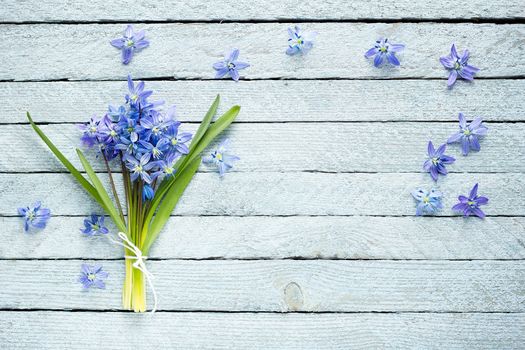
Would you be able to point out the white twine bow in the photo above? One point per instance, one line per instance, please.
(139, 264)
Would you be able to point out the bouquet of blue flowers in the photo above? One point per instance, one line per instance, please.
(157, 163)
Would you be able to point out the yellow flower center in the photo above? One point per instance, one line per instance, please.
(219, 156)
(426, 200)
(174, 141)
(91, 276)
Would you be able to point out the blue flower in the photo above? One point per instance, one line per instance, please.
(154, 151)
(383, 49)
(230, 65)
(427, 202)
(94, 225)
(299, 42)
(108, 131)
(116, 113)
(470, 205)
(458, 66)
(137, 95)
(93, 276)
(139, 168)
(35, 216)
(469, 134)
(220, 158)
(129, 128)
(435, 164)
(90, 132)
(177, 141)
(166, 167)
(147, 192)
(130, 43)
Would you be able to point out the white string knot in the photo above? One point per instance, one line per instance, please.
(139, 264)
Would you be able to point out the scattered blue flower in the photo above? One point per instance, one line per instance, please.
(383, 49)
(435, 164)
(427, 202)
(35, 216)
(469, 134)
(299, 42)
(93, 276)
(470, 205)
(130, 43)
(94, 225)
(230, 65)
(221, 158)
(458, 66)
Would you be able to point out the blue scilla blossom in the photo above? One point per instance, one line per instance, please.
(137, 96)
(90, 132)
(35, 216)
(147, 192)
(470, 205)
(154, 150)
(154, 125)
(469, 134)
(93, 276)
(94, 225)
(230, 65)
(130, 43)
(165, 167)
(177, 140)
(127, 146)
(139, 168)
(299, 42)
(458, 66)
(384, 49)
(108, 133)
(435, 164)
(129, 128)
(221, 158)
(116, 113)
(428, 202)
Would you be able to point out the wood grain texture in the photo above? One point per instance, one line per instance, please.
(284, 237)
(201, 10)
(52, 330)
(269, 100)
(279, 285)
(330, 147)
(50, 51)
(268, 193)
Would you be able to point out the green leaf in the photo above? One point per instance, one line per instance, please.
(168, 204)
(76, 174)
(103, 194)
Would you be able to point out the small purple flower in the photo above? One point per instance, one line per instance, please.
(93, 276)
(428, 202)
(469, 134)
(35, 216)
(94, 225)
(154, 151)
(90, 132)
(139, 168)
(299, 42)
(137, 95)
(470, 206)
(108, 131)
(230, 65)
(383, 49)
(130, 43)
(147, 192)
(458, 66)
(166, 167)
(435, 164)
(220, 158)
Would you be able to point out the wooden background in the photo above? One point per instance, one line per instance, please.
(311, 243)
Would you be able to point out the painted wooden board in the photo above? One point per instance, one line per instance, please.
(333, 147)
(279, 285)
(281, 194)
(51, 52)
(89, 330)
(284, 237)
(271, 101)
(201, 10)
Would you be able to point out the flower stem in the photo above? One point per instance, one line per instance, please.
(113, 188)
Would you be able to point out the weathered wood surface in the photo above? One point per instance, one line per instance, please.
(79, 52)
(202, 10)
(279, 285)
(273, 100)
(87, 330)
(284, 237)
(268, 193)
(333, 147)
